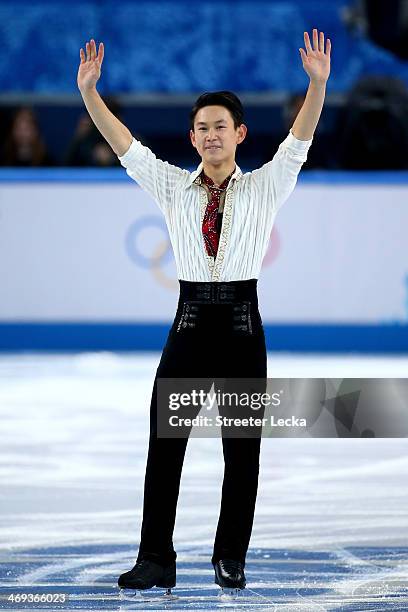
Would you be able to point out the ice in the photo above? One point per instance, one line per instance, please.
(331, 523)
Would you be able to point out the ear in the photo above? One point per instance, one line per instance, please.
(192, 138)
(241, 133)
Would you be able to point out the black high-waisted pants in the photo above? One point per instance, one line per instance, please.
(217, 333)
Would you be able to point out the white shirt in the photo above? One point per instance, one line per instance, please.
(251, 203)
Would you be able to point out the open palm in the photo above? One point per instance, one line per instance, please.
(316, 61)
(89, 70)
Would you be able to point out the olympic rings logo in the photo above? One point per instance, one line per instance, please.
(161, 252)
(157, 255)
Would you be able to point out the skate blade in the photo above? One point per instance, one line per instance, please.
(228, 594)
(146, 595)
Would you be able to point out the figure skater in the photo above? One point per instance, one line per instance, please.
(219, 221)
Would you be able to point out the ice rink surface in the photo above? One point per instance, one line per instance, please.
(331, 523)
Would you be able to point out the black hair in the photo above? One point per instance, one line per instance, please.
(219, 98)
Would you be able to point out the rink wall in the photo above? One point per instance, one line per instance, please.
(86, 264)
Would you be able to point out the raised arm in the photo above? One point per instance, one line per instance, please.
(316, 63)
(157, 177)
(277, 178)
(115, 133)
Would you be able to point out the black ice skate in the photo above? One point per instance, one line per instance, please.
(145, 575)
(230, 576)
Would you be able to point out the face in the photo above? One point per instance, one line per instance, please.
(215, 136)
(24, 128)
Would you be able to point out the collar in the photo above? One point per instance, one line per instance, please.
(196, 178)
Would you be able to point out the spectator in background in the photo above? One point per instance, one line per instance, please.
(88, 147)
(373, 126)
(384, 23)
(388, 25)
(320, 155)
(24, 145)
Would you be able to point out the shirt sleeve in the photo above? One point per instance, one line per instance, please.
(277, 178)
(156, 177)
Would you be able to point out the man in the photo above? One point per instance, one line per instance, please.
(219, 221)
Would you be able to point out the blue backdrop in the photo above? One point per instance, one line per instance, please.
(180, 46)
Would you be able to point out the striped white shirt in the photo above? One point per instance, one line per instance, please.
(251, 203)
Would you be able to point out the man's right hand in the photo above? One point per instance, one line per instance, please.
(89, 70)
(114, 131)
